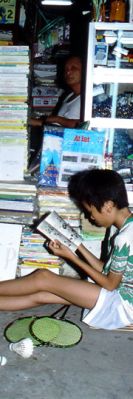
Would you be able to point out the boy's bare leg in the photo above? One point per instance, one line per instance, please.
(21, 286)
(78, 292)
(12, 303)
(46, 287)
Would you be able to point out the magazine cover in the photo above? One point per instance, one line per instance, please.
(50, 156)
(66, 151)
(81, 149)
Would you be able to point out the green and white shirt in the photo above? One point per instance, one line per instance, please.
(121, 259)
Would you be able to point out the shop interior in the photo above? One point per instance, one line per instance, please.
(36, 39)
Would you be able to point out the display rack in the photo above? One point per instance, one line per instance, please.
(109, 91)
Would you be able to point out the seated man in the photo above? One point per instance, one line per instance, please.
(69, 113)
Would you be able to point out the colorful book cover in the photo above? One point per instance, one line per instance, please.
(50, 156)
(65, 151)
(82, 149)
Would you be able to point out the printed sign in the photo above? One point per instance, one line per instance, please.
(7, 11)
(81, 149)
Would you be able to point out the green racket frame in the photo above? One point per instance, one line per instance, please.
(61, 319)
(12, 324)
(37, 341)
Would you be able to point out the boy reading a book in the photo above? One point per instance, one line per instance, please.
(108, 297)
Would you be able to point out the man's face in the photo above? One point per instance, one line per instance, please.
(73, 69)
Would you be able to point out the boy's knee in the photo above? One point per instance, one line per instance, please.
(41, 276)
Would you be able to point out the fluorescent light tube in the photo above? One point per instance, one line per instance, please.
(56, 2)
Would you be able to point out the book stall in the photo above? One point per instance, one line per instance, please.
(27, 199)
(17, 196)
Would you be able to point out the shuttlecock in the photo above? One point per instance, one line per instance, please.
(23, 348)
(3, 360)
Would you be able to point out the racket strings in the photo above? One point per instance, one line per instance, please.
(45, 330)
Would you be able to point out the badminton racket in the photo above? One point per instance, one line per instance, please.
(19, 329)
(56, 331)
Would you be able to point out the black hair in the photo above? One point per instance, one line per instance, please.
(96, 186)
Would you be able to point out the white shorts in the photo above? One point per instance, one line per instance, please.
(109, 313)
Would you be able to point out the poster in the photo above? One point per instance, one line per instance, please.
(81, 149)
(7, 11)
(66, 151)
(51, 156)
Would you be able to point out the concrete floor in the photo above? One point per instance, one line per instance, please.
(99, 367)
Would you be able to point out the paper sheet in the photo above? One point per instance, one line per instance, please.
(11, 162)
(10, 236)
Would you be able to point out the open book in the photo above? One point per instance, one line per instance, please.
(55, 228)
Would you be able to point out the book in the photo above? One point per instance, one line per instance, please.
(54, 227)
(25, 270)
(50, 155)
(66, 151)
(81, 149)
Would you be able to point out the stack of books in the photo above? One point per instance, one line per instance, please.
(17, 202)
(6, 37)
(45, 93)
(14, 69)
(33, 254)
(17, 199)
(45, 97)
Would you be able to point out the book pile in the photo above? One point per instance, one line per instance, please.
(45, 96)
(33, 254)
(6, 37)
(17, 197)
(17, 202)
(45, 93)
(14, 69)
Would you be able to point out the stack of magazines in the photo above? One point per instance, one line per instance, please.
(17, 202)
(33, 254)
(14, 69)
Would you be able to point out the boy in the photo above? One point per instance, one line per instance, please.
(108, 299)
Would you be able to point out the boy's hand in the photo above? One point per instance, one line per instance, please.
(59, 249)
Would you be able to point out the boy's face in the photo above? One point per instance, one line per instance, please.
(102, 218)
